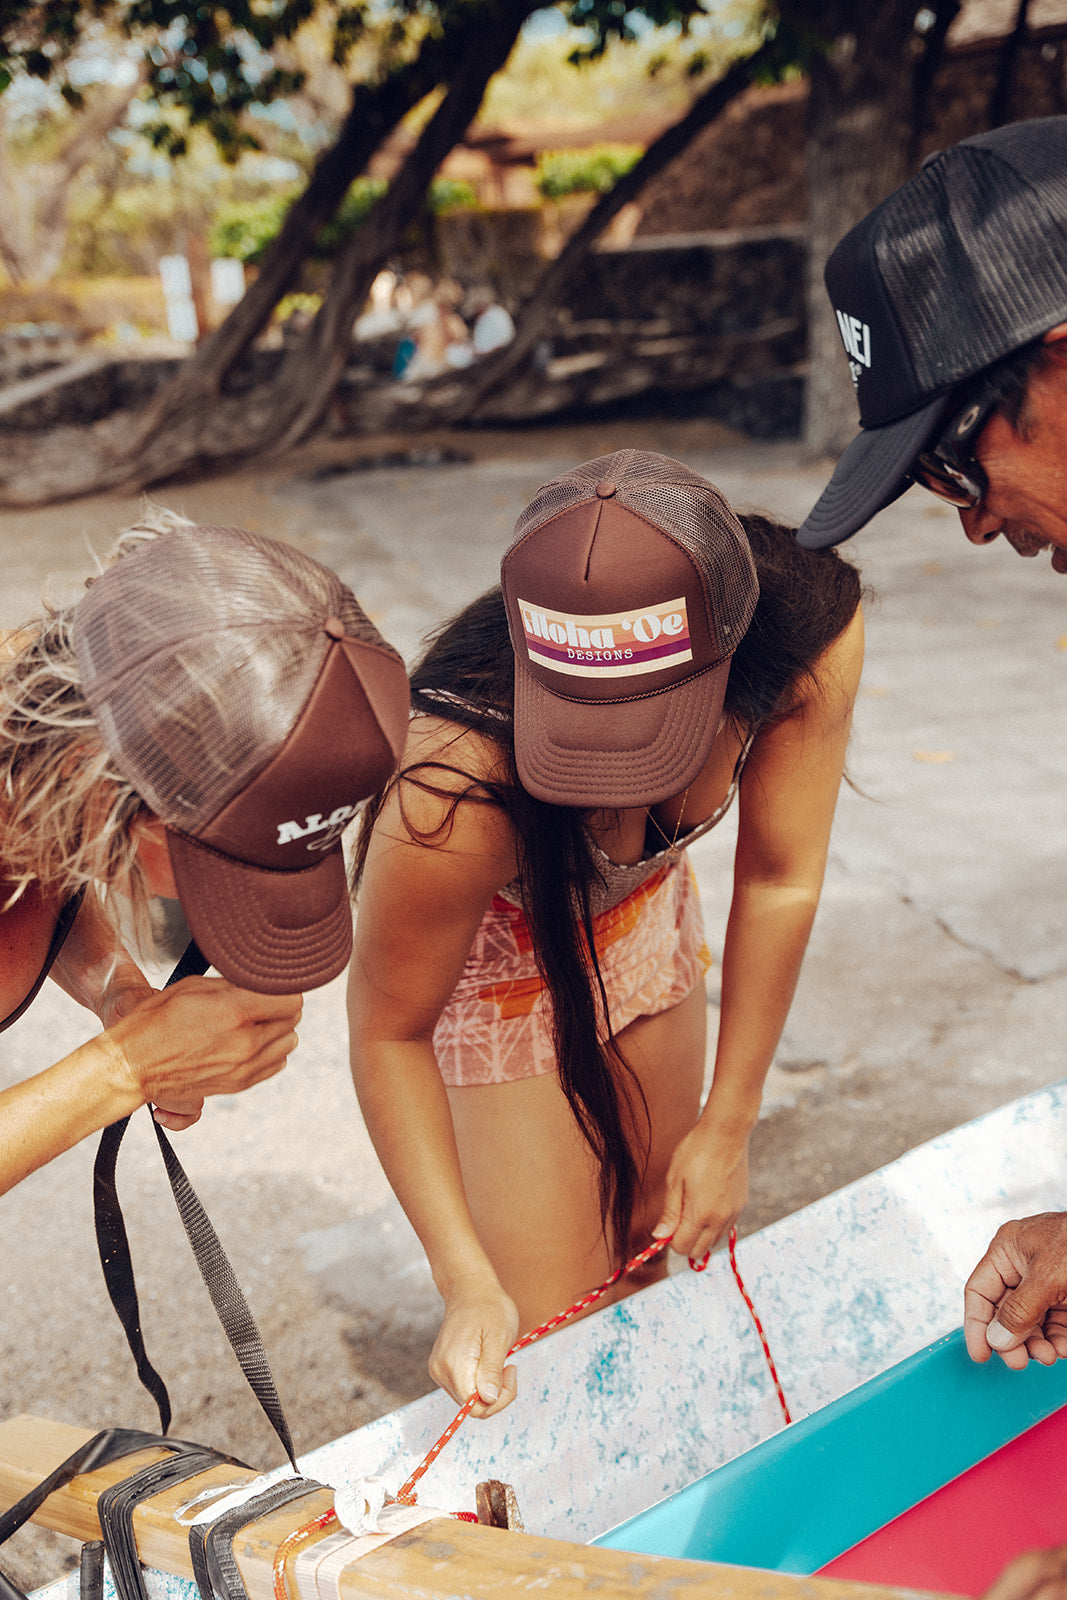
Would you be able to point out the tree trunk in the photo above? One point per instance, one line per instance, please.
(35, 198)
(310, 377)
(491, 373)
(858, 140)
(374, 113)
(1000, 101)
(192, 424)
(926, 69)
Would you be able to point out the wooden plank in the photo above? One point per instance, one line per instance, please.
(437, 1561)
(444, 1560)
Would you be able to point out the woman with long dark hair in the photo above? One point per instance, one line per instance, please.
(526, 993)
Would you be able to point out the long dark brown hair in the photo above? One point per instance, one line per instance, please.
(467, 676)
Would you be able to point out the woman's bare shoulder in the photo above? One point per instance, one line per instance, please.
(444, 812)
(26, 929)
(833, 683)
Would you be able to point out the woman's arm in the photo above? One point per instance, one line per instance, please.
(419, 909)
(94, 969)
(787, 797)
(202, 1037)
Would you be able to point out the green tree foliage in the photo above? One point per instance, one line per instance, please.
(215, 62)
(247, 229)
(591, 171)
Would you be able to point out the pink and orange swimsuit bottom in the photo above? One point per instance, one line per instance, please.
(496, 1026)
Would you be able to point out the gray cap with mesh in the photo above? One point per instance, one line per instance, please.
(245, 695)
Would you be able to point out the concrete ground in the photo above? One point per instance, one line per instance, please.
(934, 989)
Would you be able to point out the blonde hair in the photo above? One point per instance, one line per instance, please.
(67, 814)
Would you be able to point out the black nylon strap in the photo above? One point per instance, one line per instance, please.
(233, 1312)
(115, 1507)
(215, 1568)
(115, 1258)
(226, 1296)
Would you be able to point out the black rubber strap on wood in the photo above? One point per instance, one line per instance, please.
(110, 1445)
(215, 1568)
(115, 1507)
(103, 1447)
(233, 1312)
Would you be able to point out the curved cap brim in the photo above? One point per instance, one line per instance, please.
(615, 753)
(269, 931)
(872, 473)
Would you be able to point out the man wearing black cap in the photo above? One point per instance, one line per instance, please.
(951, 299)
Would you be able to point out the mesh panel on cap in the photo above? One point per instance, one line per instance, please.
(682, 504)
(197, 653)
(1036, 148)
(975, 263)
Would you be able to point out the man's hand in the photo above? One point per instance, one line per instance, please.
(1037, 1575)
(1015, 1300)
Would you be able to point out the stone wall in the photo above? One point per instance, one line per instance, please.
(717, 316)
(747, 168)
(705, 324)
(98, 385)
(711, 323)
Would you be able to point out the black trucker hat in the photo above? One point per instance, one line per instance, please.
(963, 264)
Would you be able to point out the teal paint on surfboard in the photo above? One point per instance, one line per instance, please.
(811, 1491)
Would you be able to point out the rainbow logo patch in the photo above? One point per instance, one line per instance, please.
(619, 644)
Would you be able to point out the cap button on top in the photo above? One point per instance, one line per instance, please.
(334, 627)
(605, 489)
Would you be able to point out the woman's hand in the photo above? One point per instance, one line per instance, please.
(481, 1325)
(201, 1037)
(707, 1189)
(204, 1036)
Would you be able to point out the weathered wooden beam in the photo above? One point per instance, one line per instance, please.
(437, 1561)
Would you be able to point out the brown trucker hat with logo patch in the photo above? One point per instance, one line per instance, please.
(628, 586)
(246, 696)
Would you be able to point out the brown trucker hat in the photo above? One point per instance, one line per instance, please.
(252, 704)
(628, 586)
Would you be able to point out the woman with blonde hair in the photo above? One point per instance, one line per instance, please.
(200, 726)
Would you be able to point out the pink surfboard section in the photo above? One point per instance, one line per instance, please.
(958, 1539)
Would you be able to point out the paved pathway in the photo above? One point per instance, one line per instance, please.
(935, 987)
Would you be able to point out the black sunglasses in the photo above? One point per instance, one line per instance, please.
(948, 467)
